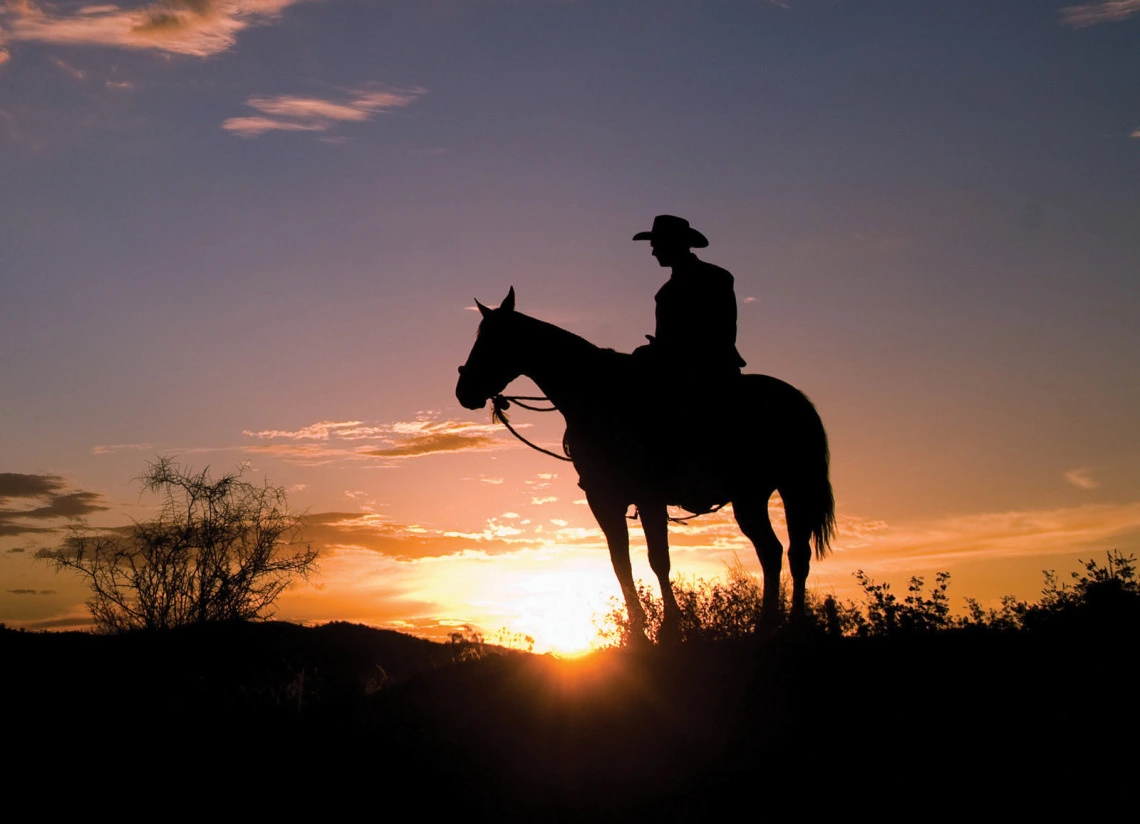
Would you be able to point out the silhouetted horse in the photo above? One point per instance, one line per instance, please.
(763, 435)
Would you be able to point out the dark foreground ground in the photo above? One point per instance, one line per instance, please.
(270, 718)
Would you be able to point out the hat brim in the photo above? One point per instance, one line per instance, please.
(692, 238)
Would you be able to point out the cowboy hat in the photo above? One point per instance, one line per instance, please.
(671, 229)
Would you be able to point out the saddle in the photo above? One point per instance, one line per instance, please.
(654, 442)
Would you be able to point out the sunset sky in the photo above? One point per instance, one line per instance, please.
(251, 231)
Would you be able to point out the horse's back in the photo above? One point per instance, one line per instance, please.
(773, 398)
(776, 422)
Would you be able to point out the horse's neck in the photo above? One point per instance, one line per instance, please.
(566, 367)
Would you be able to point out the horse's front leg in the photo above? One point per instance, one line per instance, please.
(610, 515)
(655, 522)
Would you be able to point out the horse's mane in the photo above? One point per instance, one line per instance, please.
(565, 339)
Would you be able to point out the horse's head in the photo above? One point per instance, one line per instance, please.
(494, 361)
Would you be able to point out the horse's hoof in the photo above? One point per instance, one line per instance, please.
(638, 642)
(768, 624)
(669, 636)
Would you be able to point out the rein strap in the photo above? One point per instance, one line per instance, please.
(502, 402)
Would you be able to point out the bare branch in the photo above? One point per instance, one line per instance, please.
(219, 550)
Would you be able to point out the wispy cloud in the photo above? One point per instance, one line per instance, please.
(328, 441)
(1017, 534)
(67, 505)
(291, 113)
(378, 533)
(304, 454)
(1105, 11)
(80, 618)
(107, 449)
(193, 27)
(1082, 478)
(257, 126)
(321, 431)
(943, 543)
(504, 533)
(543, 482)
(15, 485)
(69, 69)
(46, 500)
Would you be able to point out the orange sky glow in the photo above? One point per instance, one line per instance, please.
(251, 232)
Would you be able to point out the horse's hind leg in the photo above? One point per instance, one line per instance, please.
(799, 551)
(655, 523)
(752, 517)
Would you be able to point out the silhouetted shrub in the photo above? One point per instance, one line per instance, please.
(1103, 598)
(466, 644)
(516, 641)
(1007, 617)
(1100, 598)
(916, 613)
(219, 550)
(710, 610)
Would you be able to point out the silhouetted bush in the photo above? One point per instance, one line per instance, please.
(710, 610)
(1102, 598)
(882, 613)
(219, 550)
(467, 644)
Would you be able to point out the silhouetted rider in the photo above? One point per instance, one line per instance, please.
(695, 342)
(696, 308)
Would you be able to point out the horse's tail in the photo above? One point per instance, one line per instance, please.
(820, 500)
(803, 458)
(816, 499)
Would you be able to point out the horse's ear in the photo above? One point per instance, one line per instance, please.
(508, 303)
(483, 310)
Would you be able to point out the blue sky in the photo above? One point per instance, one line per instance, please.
(222, 217)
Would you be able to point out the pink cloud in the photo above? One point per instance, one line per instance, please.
(1105, 11)
(291, 113)
(107, 449)
(1082, 478)
(326, 441)
(376, 533)
(257, 126)
(199, 28)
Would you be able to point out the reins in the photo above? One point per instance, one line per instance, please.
(503, 402)
(684, 519)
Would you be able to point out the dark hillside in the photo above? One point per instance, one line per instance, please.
(660, 733)
(689, 730)
(271, 665)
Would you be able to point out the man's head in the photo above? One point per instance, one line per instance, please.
(672, 239)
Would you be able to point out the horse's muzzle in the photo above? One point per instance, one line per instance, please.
(466, 396)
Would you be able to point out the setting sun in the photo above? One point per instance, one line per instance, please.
(559, 614)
